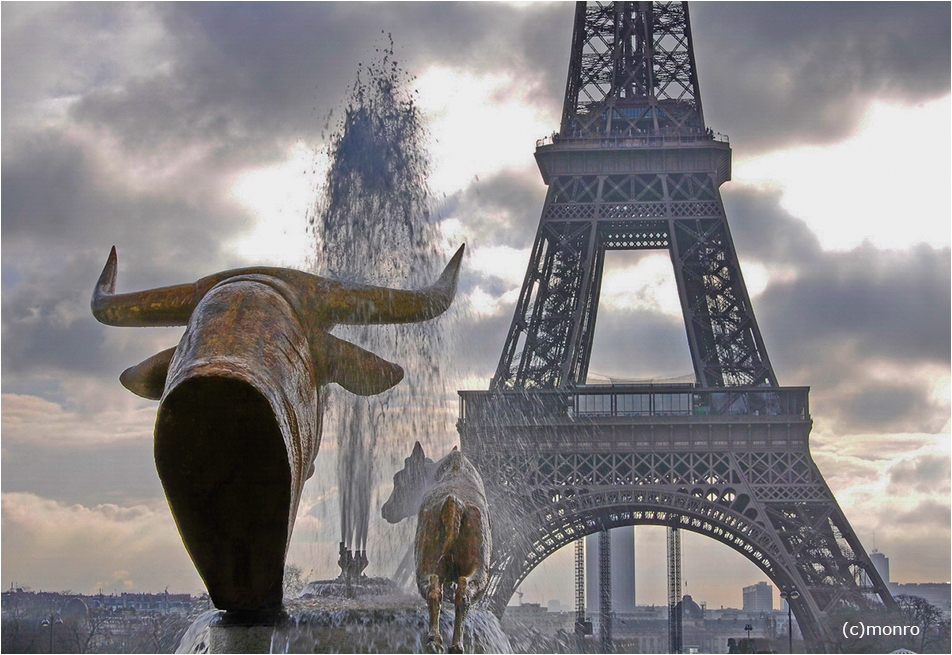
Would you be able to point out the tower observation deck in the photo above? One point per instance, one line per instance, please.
(634, 167)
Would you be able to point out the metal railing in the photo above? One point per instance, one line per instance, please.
(633, 141)
(632, 401)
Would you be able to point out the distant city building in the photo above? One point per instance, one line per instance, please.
(100, 623)
(623, 570)
(937, 593)
(533, 629)
(881, 562)
(758, 597)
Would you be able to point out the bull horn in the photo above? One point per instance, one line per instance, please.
(363, 305)
(162, 306)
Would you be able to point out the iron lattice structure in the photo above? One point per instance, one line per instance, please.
(634, 167)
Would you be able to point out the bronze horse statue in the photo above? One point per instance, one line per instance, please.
(239, 418)
(453, 537)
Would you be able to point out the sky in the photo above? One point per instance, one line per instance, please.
(193, 137)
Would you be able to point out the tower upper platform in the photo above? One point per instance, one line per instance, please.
(625, 155)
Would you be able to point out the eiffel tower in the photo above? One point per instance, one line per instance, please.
(634, 167)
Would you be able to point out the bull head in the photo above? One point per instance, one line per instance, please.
(239, 419)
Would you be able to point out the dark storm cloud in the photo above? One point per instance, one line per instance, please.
(925, 473)
(836, 318)
(502, 209)
(48, 327)
(890, 304)
(785, 73)
(874, 406)
(849, 318)
(58, 200)
(44, 180)
(764, 231)
(255, 75)
(59, 221)
(886, 304)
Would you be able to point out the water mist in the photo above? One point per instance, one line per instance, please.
(372, 224)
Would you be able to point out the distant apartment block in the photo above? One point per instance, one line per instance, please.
(758, 597)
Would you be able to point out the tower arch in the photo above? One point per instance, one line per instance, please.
(562, 523)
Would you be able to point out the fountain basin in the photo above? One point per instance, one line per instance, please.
(392, 623)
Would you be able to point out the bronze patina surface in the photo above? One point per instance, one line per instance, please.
(453, 537)
(239, 420)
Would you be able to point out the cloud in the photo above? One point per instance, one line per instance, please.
(36, 421)
(65, 198)
(481, 343)
(874, 479)
(143, 547)
(925, 473)
(772, 75)
(764, 231)
(120, 471)
(52, 54)
(887, 407)
(51, 338)
(501, 209)
(244, 75)
(455, 101)
(867, 328)
(639, 344)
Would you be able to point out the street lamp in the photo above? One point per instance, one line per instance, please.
(51, 620)
(748, 628)
(789, 594)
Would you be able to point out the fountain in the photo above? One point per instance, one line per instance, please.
(242, 397)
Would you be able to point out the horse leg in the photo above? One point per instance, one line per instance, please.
(434, 598)
(462, 609)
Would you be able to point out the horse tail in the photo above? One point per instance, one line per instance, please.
(451, 515)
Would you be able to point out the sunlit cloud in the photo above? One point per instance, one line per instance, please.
(895, 502)
(278, 197)
(480, 123)
(640, 281)
(140, 172)
(145, 550)
(37, 421)
(887, 184)
(508, 264)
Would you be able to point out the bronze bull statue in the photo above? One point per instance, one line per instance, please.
(453, 537)
(239, 418)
